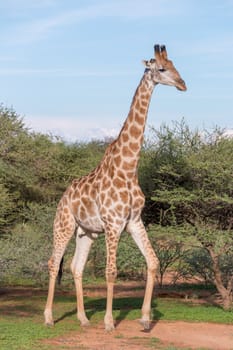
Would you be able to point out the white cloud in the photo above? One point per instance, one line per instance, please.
(228, 133)
(70, 128)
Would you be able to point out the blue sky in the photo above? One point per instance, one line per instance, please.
(72, 67)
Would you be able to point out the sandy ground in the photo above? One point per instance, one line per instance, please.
(130, 335)
(163, 335)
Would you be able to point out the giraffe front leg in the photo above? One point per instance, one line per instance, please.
(53, 265)
(139, 234)
(83, 245)
(111, 273)
(48, 315)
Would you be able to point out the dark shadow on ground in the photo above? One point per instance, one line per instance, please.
(123, 305)
(65, 315)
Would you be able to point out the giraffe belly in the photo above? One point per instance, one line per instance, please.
(94, 224)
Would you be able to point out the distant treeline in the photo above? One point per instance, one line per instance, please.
(186, 176)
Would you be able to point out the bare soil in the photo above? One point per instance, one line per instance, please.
(163, 335)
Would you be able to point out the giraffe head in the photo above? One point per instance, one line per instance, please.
(162, 70)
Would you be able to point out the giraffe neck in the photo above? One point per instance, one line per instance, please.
(128, 145)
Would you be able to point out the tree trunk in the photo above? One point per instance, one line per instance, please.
(225, 292)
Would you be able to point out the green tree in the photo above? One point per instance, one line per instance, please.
(195, 186)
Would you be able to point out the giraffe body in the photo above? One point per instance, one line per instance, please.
(109, 199)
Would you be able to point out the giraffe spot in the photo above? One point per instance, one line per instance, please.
(85, 188)
(106, 183)
(66, 223)
(130, 174)
(103, 210)
(111, 171)
(135, 131)
(112, 213)
(134, 146)
(119, 143)
(93, 192)
(113, 195)
(126, 211)
(74, 194)
(108, 202)
(137, 105)
(143, 89)
(66, 210)
(110, 218)
(105, 167)
(102, 197)
(75, 206)
(118, 183)
(118, 222)
(82, 213)
(139, 119)
(119, 208)
(139, 203)
(117, 151)
(124, 196)
(129, 165)
(91, 176)
(88, 204)
(126, 126)
(126, 152)
(121, 174)
(145, 96)
(144, 103)
(143, 110)
(81, 181)
(117, 161)
(130, 117)
(125, 137)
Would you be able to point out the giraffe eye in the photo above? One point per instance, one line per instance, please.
(162, 70)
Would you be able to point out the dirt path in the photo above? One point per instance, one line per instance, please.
(129, 335)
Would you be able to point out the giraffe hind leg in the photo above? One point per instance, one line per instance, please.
(62, 234)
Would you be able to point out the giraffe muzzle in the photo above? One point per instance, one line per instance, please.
(181, 85)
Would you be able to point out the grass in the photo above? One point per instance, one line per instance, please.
(22, 328)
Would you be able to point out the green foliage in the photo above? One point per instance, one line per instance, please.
(168, 245)
(187, 179)
(24, 253)
(36, 168)
(130, 262)
(195, 186)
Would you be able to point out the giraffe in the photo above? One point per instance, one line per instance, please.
(109, 200)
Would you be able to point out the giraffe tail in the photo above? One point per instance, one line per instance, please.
(60, 272)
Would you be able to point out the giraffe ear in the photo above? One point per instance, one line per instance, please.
(145, 63)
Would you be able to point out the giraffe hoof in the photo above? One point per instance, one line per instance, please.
(48, 318)
(145, 324)
(85, 323)
(83, 320)
(109, 327)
